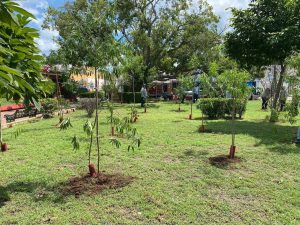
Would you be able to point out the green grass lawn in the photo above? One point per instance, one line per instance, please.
(175, 183)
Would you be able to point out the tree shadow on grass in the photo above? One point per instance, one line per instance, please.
(18, 187)
(176, 110)
(278, 138)
(59, 192)
(152, 105)
(194, 154)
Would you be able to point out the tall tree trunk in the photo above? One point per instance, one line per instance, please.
(97, 120)
(279, 86)
(133, 89)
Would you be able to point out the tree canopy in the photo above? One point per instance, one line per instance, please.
(20, 62)
(86, 30)
(265, 33)
(167, 35)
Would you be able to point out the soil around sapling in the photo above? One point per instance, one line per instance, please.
(224, 161)
(86, 184)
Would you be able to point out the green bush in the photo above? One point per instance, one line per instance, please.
(216, 108)
(49, 105)
(128, 97)
(92, 95)
(240, 107)
(89, 105)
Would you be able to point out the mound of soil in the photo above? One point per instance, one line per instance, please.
(223, 160)
(94, 185)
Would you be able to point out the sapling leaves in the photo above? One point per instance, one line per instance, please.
(65, 124)
(115, 142)
(88, 128)
(75, 143)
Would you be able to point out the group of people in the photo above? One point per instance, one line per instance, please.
(266, 96)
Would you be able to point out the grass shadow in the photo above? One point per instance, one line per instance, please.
(152, 105)
(19, 187)
(224, 162)
(278, 138)
(191, 153)
(58, 193)
(176, 110)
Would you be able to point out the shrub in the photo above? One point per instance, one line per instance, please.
(88, 104)
(216, 108)
(240, 108)
(49, 106)
(92, 95)
(128, 97)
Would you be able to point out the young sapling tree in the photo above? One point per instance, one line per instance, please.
(234, 82)
(185, 83)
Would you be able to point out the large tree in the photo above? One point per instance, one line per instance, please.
(266, 33)
(167, 35)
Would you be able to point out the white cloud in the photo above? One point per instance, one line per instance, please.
(222, 9)
(38, 9)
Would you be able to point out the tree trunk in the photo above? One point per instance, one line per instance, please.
(191, 115)
(279, 86)
(97, 121)
(232, 148)
(133, 89)
(60, 107)
(90, 148)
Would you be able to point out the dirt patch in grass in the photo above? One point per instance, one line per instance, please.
(94, 185)
(223, 161)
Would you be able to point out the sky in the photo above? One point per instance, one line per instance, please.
(46, 41)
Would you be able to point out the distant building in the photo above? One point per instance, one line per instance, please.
(86, 78)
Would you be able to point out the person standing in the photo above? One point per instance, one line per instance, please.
(195, 93)
(265, 98)
(144, 95)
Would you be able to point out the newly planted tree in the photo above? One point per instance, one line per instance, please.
(87, 38)
(185, 84)
(229, 88)
(234, 83)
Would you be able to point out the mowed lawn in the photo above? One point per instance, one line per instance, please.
(174, 180)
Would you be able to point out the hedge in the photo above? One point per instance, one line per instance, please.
(128, 97)
(92, 95)
(216, 108)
